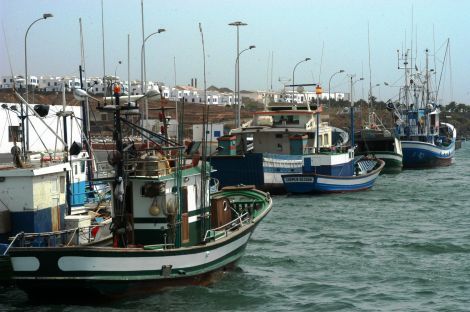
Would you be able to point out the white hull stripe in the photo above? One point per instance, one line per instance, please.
(333, 181)
(129, 264)
(123, 264)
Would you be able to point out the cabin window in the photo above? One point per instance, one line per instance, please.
(82, 166)
(13, 133)
(104, 117)
(62, 184)
(279, 136)
(279, 147)
(75, 169)
(325, 140)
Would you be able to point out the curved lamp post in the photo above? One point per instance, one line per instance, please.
(237, 66)
(293, 77)
(143, 72)
(44, 16)
(352, 107)
(329, 86)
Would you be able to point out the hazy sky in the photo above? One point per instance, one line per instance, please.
(334, 34)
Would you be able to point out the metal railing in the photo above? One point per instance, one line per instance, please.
(226, 228)
(75, 236)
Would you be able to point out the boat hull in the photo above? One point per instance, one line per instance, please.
(111, 272)
(426, 155)
(117, 272)
(315, 183)
(393, 161)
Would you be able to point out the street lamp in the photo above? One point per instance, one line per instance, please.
(238, 119)
(293, 76)
(352, 108)
(237, 69)
(44, 16)
(329, 86)
(143, 72)
(115, 69)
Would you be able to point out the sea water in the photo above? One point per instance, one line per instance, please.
(402, 246)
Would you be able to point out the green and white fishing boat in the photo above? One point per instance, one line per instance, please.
(168, 228)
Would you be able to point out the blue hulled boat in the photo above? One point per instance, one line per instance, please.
(334, 172)
(272, 144)
(434, 149)
(426, 142)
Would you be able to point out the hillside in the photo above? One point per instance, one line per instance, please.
(193, 112)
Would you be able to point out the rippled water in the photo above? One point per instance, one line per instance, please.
(402, 246)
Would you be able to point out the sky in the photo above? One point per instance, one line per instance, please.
(360, 37)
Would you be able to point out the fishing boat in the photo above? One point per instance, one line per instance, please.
(334, 173)
(374, 139)
(44, 185)
(168, 228)
(44, 191)
(272, 144)
(331, 170)
(382, 144)
(426, 141)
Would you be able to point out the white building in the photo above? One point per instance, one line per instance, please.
(7, 82)
(286, 96)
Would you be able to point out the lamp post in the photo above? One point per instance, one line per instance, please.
(237, 62)
(352, 107)
(143, 72)
(237, 69)
(115, 69)
(44, 16)
(329, 86)
(293, 77)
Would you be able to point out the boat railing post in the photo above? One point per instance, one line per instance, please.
(20, 234)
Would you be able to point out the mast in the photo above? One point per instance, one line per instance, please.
(204, 176)
(119, 217)
(427, 77)
(370, 78)
(103, 45)
(68, 197)
(352, 114)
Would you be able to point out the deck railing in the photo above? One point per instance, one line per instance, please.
(69, 237)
